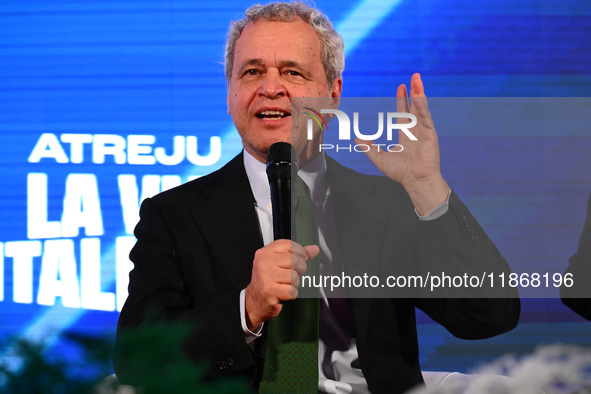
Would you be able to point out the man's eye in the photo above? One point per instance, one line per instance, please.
(252, 71)
(293, 73)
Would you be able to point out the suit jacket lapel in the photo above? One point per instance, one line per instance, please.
(230, 223)
(357, 220)
(359, 217)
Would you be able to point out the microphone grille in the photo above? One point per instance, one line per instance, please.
(280, 157)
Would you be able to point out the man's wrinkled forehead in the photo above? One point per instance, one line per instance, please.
(281, 63)
(261, 33)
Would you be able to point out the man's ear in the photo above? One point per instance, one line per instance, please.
(337, 87)
(335, 93)
(228, 101)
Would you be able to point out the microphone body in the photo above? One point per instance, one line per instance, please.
(279, 171)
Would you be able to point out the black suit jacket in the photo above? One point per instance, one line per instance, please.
(196, 244)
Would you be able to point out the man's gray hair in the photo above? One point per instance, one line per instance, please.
(333, 49)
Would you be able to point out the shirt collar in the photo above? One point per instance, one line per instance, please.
(257, 177)
(313, 173)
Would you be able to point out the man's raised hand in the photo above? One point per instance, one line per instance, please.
(417, 166)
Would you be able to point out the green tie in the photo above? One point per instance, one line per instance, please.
(291, 356)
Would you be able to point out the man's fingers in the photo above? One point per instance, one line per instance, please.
(295, 278)
(298, 250)
(417, 88)
(299, 265)
(299, 262)
(402, 102)
(283, 292)
(419, 101)
(294, 292)
(419, 107)
(286, 292)
(312, 251)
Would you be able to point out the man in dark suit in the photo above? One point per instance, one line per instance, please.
(204, 254)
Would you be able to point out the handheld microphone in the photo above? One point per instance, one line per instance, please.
(280, 164)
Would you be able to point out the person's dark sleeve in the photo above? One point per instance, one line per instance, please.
(174, 284)
(455, 244)
(578, 296)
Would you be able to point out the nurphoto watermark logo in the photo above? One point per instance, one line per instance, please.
(385, 138)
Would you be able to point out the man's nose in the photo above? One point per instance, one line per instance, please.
(272, 86)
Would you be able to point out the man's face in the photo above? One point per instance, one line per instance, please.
(273, 62)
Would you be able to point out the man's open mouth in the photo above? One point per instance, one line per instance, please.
(272, 115)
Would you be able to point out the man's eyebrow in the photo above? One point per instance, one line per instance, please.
(252, 62)
(294, 64)
(285, 63)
